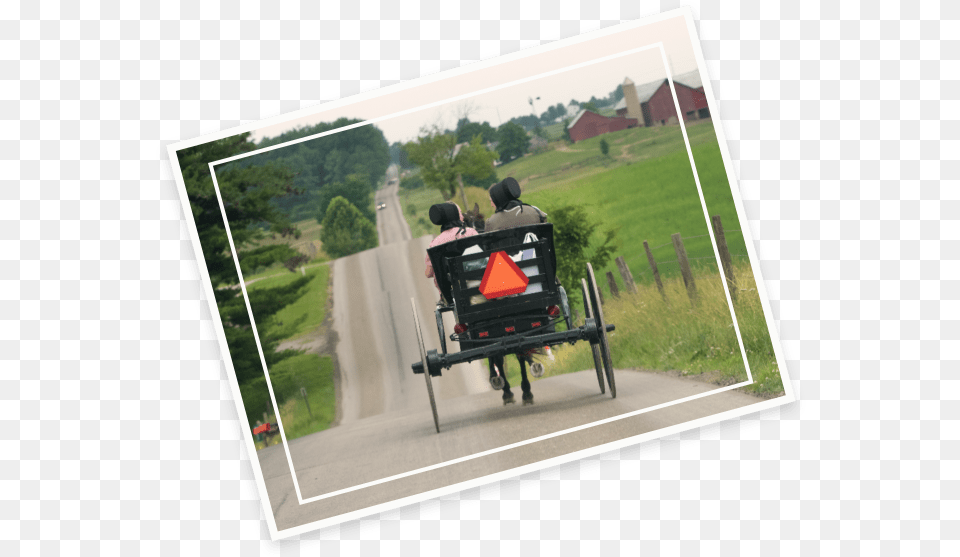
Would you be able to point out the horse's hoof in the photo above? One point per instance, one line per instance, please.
(527, 398)
(496, 382)
(508, 398)
(536, 370)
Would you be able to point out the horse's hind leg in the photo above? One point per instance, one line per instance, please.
(524, 382)
(498, 379)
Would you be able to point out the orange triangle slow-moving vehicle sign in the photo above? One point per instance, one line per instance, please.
(502, 277)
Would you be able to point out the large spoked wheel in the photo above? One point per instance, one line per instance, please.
(602, 327)
(588, 314)
(565, 307)
(443, 340)
(423, 360)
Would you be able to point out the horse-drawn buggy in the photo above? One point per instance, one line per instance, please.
(503, 292)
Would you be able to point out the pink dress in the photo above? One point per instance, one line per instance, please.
(448, 235)
(444, 237)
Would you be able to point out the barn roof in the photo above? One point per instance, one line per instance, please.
(622, 104)
(576, 118)
(645, 91)
(690, 79)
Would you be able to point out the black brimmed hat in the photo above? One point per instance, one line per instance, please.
(444, 213)
(504, 192)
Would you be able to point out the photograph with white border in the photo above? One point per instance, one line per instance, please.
(627, 303)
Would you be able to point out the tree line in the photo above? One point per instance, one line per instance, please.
(358, 156)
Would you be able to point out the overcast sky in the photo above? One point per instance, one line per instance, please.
(497, 107)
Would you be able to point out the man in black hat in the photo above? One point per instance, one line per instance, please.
(511, 212)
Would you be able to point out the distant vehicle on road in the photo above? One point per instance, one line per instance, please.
(381, 206)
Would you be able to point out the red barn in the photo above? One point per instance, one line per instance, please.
(656, 101)
(589, 124)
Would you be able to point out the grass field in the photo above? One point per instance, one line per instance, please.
(310, 234)
(307, 313)
(645, 189)
(315, 374)
(678, 338)
(649, 201)
(312, 371)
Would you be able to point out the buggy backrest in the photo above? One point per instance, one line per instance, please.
(459, 275)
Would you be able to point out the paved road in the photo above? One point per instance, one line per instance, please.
(402, 441)
(386, 427)
(374, 322)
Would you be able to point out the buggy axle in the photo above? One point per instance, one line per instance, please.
(510, 345)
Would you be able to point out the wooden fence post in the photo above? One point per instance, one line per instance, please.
(685, 267)
(303, 393)
(614, 291)
(725, 256)
(628, 282)
(656, 273)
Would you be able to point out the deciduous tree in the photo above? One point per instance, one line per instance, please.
(345, 230)
(514, 142)
(441, 160)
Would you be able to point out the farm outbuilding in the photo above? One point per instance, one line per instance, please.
(589, 124)
(652, 103)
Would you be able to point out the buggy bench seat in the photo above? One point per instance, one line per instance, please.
(457, 278)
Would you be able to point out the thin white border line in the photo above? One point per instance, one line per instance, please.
(706, 215)
(442, 102)
(524, 442)
(470, 67)
(253, 324)
(754, 259)
(512, 473)
(296, 483)
(322, 108)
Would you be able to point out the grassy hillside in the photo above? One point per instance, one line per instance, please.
(305, 314)
(677, 337)
(646, 190)
(651, 200)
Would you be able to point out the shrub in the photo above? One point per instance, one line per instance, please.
(345, 230)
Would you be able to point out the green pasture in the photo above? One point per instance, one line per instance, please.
(312, 372)
(651, 200)
(645, 189)
(305, 314)
(678, 336)
(564, 161)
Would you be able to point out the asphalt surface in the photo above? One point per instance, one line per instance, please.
(387, 427)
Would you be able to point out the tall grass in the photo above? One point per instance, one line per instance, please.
(679, 336)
